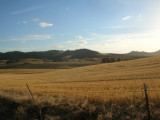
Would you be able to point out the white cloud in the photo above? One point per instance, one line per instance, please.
(93, 33)
(26, 10)
(67, 8)
(106, 45)
(122, 43)
(24, 22)
(81, 43)
(18, 23)
(35, 19)
(69, 42)
(126, 18)
(27, 38)
(38, 37)
(72, 44)
(43, 24)
(78, 37)
(58, 46)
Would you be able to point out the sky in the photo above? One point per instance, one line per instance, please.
(107, 26)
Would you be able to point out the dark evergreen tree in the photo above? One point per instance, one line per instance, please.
(103, 60)
(118, 59)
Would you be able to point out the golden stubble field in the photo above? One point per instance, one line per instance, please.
(100, 82)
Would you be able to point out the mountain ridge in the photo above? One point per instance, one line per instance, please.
(59, 55)
(143, 53)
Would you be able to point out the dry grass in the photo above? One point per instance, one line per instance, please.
(20, 107)
(104, 80)
(118, 86)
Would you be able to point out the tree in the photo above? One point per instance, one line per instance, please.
(113, 60)
(118, 59)
(109, 60)
(103, 60)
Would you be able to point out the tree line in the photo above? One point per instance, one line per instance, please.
(110, 60)
(55, 55)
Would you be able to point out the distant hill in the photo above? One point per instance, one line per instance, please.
(137, 53)
(55, 55)
(134, 55)
(157, 53)
(60, 55)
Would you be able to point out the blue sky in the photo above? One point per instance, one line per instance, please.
(108, 26)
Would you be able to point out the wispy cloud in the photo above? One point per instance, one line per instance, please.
(116, 27)
(69, 42)
(35, 19)
(81, 43)
(43, 24)
(39, 37)
(121, 43)
(27, 38)
(17, 49)
(58, 46)
(78, 37)
(139, 17)
(126, 18)
(67, 8)
(26, 10)
(93, 33)
(24, 22)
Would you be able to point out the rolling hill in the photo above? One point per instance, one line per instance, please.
(68, 55)
(56, 55)
(140, 69)
(136, 53)
(110, 90)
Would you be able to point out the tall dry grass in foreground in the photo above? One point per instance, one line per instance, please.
(17, 106)
(111, 91)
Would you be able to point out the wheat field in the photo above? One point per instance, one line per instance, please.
(120, 79)
(110, 91)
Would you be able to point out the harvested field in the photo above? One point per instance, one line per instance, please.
(119, 84)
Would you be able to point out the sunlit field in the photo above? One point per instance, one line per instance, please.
(109, 83)
(117, 79)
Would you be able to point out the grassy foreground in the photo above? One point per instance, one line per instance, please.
(19, 107)
(111, 91)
